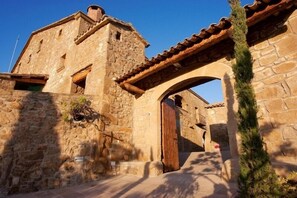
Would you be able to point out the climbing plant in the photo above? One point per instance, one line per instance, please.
(79, 109)
(257, 177)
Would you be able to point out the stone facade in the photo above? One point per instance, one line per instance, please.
(78, 47)
(217, 127)
(274, 51)
(40, 150)
(275, 87)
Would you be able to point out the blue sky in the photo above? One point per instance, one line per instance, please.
(162, 23)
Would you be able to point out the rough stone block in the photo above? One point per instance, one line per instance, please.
(267, 50)
(272, 135)
(291, 103)
(293, 23)
(288, 117)
(268, 59)
(261, 45)
(276, 105)
(270, 92)
(274, 79)
(287, 45)
(262, 74)
(292, 84)
(290, 132)
(284, 67)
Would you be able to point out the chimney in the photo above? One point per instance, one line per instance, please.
(95, 12)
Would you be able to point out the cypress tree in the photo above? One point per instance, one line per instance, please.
(257, 177)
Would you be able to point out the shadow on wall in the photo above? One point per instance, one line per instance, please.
(219, 135)
(185, 144)
(231, 116)
(41, 151)
(282, 152)
(31, 157)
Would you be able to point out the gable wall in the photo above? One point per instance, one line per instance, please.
(47, 60)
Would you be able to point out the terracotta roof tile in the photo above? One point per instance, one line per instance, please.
(204, 34)
(215, 105)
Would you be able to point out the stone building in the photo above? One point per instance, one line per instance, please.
(191, 120)
(131, 128)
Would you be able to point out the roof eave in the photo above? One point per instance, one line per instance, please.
(205, 43)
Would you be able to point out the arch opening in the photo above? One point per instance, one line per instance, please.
(198, 125)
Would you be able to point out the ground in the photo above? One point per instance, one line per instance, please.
(199, 176)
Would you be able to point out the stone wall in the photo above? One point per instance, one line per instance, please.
(217, 127)
(7, 84)
(125, 50)
(275, 86)
(191, 121)
(40, 150)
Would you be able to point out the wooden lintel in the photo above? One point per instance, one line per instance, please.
(132, 88)
(29, 80)
(81, 74)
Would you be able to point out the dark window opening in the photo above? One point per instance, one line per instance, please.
(62, 63)
(60, 32)
(118, 36)
(79, 87)
(28, 86)
(39, 47)
(29, 58)
(178, 101)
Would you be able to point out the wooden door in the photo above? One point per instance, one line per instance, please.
(169, 137)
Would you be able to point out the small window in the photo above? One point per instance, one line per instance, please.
(39, 46)
(62, 63)
(18, 67)
(28, 86)
(178, 101)
(29, 58)
(79, 87)
(60, 32)
(79, 80)
(118, 35)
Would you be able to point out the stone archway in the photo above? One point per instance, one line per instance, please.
(147, 110)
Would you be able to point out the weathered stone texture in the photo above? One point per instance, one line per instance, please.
(191, 121)
(275, 88)
(217, 126)
(125, 50)
(39, 150)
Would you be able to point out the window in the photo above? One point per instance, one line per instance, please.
(39, 46)
(79, 80)
(118, 36)
(79, 87)
(28, 86)
(62, 63)
(19, 67)
(60, 32)
(29, 58)
(178, 101)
